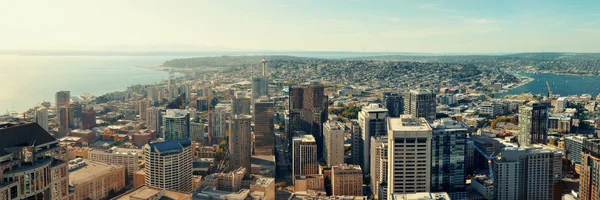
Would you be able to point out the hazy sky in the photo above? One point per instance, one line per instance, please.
(463, 26)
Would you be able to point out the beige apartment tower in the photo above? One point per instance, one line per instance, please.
(409, 155)
(240, 142)
(334, 144)
(168, 165)
(304, 155)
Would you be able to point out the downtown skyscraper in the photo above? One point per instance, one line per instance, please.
(448, 149)
(240, 142)
(168, 165)
(308, 111)
(264, 127)
(420, 103)
(533, 124)
(372, 122)
(176, 124)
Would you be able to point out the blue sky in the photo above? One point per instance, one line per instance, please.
(459, 26)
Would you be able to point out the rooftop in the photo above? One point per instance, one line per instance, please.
(176, 113)
(170, 145)
(90, 171)
(264, 182)
(305, 138)
(422, 196)
(146, 193)
(374, 107)
(408, 123)
(447, 123)
(23, 134)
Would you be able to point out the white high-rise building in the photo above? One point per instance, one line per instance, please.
(371, 120)
(304, 156)
(176, 124)
(526, 173)
(168, 165)
(41, 117)
(379, 165)
(409, 155)
(334, 144)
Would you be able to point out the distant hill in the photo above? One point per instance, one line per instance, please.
(228, 61)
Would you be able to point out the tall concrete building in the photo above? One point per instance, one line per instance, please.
(372, 121)
(41, 117)
(63, 99)
(307, 112)
(176, 124)
(240, 142)
(420, 103)
(152, 94)
(589, 182)
(448, 148)
(260, 87)
(346, 180)
(573, 148)
(356, 144)
(527, 173)
(264, 127)
(409, 155)
(202, 104)
(379, 165)
(64, 116)
(32, 165)
(197, 132)
(95, 180)
(533, 124)
(154, 119)
(168, 165)
(88, 118)
(143, 108)
(304, 156)
(217, 126)
(334, 144)
(240, 105)
(394, 103)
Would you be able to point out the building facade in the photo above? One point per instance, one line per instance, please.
(394, 103)
(533, 124)
(307, 112)
(420, 103)
(448, 149)
(240, 142)
(41, 117)
(334, 144)
(409, 155)
(117, 156)
(372, 121)
(176, 124)
(589, 179)
(304, 156)
(168, 165)
(264, 127)
(379, 165)
(526, 173)
(35, 170)
(95, 180)
(346, 180)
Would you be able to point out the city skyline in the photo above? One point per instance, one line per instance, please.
(474, 27)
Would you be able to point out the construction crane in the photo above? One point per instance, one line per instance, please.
(549, 90)
(489, 158)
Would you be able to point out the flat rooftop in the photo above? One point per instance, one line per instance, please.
(90, 171)
(408, 123)
(423, 196)
(146, 192)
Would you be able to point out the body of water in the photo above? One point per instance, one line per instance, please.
(560, 84)
(28, 80)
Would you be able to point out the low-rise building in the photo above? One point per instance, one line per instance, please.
(263, 188)
(346, 180)
(117, 156)
(211, 193)
(95, 180)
